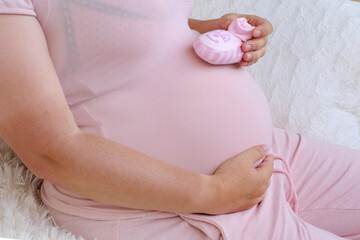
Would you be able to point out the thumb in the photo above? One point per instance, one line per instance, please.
(265, 169)
(225, 25)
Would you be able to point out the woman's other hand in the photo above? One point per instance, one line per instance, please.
(237, 184)
(254, 48)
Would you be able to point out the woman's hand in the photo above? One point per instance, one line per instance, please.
(255, 48)
(238, 185)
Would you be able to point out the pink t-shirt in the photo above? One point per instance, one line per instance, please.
(130, 74)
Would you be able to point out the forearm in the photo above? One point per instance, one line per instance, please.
(111, 173)
(198, 25)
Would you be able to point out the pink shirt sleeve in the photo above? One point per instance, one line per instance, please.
(17, 7)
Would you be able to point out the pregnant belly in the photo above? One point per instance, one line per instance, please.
(195, 119)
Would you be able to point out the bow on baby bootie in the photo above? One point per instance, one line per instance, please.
(221, 47)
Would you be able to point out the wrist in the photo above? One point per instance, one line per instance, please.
(208, 200)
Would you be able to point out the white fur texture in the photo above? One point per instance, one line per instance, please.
(311, 71)
(310, 75)
(22, 216)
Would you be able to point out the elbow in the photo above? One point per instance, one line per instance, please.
(47, 161)
(55, 164)
(41, 166)
(42, 149)
(38, 164)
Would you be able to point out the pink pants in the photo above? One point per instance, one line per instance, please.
(325, 205)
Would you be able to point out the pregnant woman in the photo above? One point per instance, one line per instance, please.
(137, 138)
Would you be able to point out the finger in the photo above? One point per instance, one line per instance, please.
(246, 64)
(262, 26)
(231, 16)
(227, 19)
(263, 196)
(254, 154)
(260, 194)
(225, 25)
(265, 169)
(254, 55)
(254, 44)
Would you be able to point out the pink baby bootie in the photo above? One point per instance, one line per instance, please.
(223, 47)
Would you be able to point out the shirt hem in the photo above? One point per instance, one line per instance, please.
(18, 12)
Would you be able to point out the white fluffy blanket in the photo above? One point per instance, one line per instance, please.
(311, 71)
(310, 74)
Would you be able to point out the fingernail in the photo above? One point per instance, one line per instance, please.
(265, 147)
(247, 48)
(257, 33)
(248, 56)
